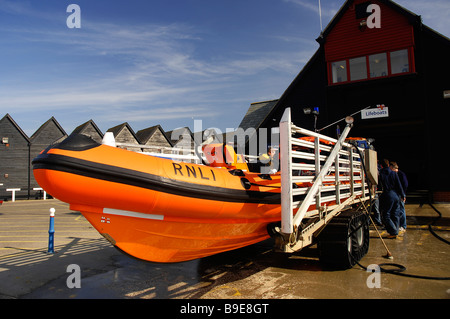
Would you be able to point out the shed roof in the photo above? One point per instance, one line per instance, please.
(21, 132)
(144, 135)
(50, 121)
(256, 114)
(116, 130)
(179, 132)
(85, 125)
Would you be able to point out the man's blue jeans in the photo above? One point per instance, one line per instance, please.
(376, 210)
(390, 209)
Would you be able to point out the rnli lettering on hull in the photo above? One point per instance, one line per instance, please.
(193, 171)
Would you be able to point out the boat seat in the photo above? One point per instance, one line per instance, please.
(214, 154)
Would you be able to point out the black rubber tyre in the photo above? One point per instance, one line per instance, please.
(345, 240)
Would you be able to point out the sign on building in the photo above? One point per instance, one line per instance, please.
(446, 94)
(379, 111)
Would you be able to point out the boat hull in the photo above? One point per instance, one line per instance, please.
(160, 235)
(157, 209)
(174, 241)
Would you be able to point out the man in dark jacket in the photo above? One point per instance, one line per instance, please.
(390, 199)
(404, 183)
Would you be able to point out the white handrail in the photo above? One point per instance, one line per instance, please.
(341, 169)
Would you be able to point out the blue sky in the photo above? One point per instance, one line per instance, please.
(164, 62)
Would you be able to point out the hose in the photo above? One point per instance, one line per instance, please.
(430, 227)
(399, 271)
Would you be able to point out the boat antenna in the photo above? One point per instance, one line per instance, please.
(320, 17)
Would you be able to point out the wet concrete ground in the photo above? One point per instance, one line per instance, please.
(27, 271)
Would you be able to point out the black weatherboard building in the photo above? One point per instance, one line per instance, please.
(403, 65)
(17, 150)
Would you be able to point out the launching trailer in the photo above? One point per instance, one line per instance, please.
(334, 175)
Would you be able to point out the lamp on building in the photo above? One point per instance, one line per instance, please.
(311, 110)
(362, 25)
(314, 111)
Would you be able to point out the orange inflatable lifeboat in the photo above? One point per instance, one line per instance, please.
(159, 209)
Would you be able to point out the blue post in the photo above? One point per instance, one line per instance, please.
(51, 232)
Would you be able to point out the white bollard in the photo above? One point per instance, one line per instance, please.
(13, 190)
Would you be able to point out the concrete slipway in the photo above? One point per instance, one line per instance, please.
(27, 271)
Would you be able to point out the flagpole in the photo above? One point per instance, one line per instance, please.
(320, 17)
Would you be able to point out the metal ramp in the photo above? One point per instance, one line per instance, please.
(320, 177)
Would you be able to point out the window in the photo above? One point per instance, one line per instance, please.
(378, 65)
(372, 66)
(399, 61)
(358, 69)
(339, 71)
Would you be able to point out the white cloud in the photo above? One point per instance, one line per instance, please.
(435, 14)
(158, 114)
(150, 64)
(328, 10)
(60, 99)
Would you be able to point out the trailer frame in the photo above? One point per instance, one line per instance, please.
(336, 182)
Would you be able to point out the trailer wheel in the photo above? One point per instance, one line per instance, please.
(345, 240)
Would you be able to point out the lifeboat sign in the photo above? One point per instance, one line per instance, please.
(379, 111)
